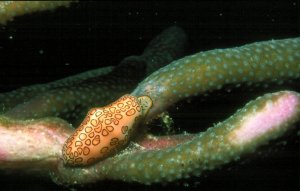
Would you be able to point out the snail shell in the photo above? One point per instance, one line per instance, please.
(105, 130)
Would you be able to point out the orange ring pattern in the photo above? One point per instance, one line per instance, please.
(103, 132)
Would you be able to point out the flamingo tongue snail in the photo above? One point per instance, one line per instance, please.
(105, 130)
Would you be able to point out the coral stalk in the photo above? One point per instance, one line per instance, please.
(268, 61)
(260, 121)
(11, 9)
(32, 145)
(71, 98)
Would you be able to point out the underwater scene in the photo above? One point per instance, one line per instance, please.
(150, 95)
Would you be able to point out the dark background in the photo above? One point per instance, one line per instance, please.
(46, 46)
